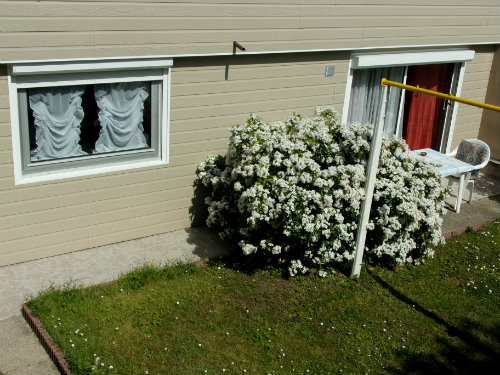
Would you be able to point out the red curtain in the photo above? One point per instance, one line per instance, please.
(422, 112)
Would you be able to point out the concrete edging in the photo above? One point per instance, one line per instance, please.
(54, 352)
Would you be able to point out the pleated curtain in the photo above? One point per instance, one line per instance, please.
(58, 114)
(121, 110)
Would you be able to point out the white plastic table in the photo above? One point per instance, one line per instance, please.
(447, 166)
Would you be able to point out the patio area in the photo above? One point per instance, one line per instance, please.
(485, 186)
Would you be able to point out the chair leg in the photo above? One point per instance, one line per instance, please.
(471, 190)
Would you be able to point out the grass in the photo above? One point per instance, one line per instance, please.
(438, 318)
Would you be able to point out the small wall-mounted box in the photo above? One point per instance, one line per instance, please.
(330, 69)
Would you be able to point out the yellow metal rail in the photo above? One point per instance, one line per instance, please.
(440, 95)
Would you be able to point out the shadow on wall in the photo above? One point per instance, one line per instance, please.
(198, 211)
(473, 349)
(490, 121)
(207, 243)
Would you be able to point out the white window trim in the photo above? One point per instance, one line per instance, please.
(370, 60)
(40, 75)
(378, 60)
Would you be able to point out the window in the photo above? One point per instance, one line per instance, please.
(423, 121)
(366, 92)
(78, 119)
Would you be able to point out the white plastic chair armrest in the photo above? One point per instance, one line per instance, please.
(483, 164)
(453, 153)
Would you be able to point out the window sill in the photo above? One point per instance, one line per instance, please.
(86, 171)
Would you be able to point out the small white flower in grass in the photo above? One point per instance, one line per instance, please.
(227, 333)
(72, 345)
(116, 329)
(177, 303)
(102, 364)
(111, 367)
(199, 345)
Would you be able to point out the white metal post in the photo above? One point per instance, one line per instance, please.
(371, 175)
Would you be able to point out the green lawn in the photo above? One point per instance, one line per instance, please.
(438, 318)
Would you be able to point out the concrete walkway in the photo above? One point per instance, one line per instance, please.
(20, 352)
(105, 263)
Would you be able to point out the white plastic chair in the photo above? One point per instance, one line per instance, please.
(480, 161)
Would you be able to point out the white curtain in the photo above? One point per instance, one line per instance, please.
(366, 92)
(57, 113)
(121, 107)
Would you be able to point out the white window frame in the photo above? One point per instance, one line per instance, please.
(30, 75)
(407, 58)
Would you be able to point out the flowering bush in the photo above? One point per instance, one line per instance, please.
(292, 191)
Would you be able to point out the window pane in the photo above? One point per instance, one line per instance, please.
(84, 120)
(121, 116)
(56, 114)
(366, 97)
